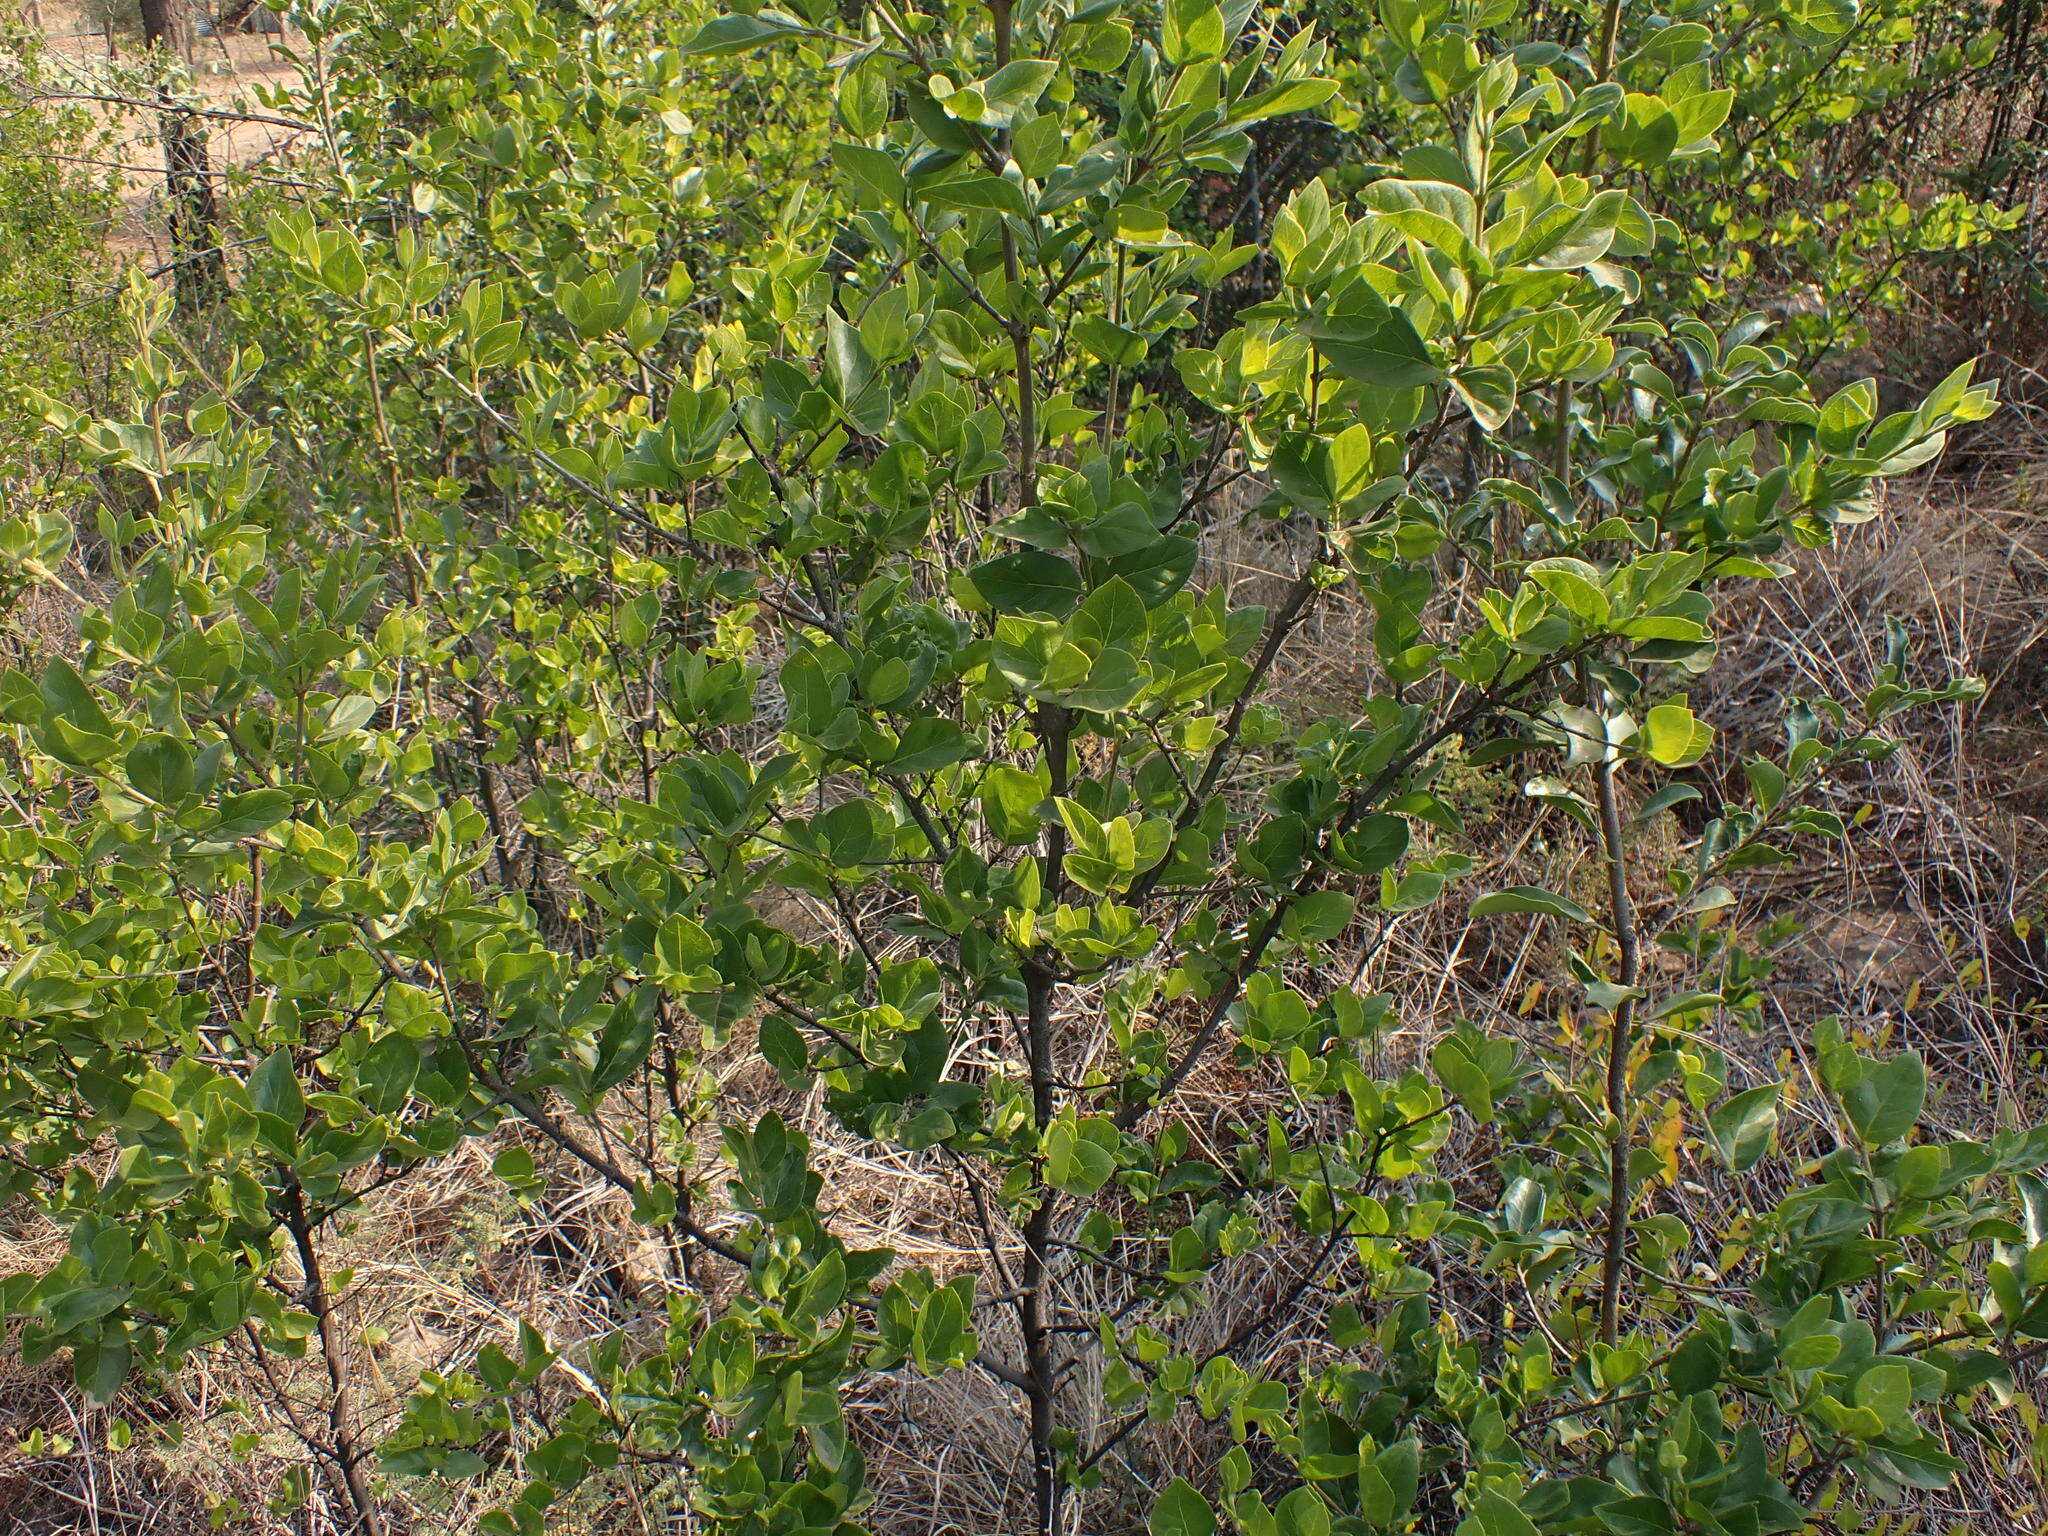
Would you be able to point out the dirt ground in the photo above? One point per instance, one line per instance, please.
(226, 70)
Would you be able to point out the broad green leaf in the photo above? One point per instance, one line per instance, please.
(1375, 844)
(1469, 1082)
(1014, 87)
(1847, 412)
(1820, 21)
(1435, 213)
(1079, 1156)
(1108, 342)
(862, 97)
(250, 813)
(1488, 392)
(738, 34)
(1180, 1510)
(875, 169)
(1374, 347)
(1303, 1513)
(1030, 581)
(1145, 228)
(1010, 799)
(274, 1089)
(1742, 1127)
(69, 696)
(1577, 585)
(161, 767)
(1112, 617)
(1494, 1514)
(1886, 1388)
(100, 1366)
(1531, 899)
(682, 949)
(1884, 1100)
(1192, 30)
(979, 193)
(1318, 917)
(1675, 736)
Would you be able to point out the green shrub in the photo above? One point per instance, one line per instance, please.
(488, 660)
(1872, 182)
(57, 204)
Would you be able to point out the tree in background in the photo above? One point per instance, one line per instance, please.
(200, 275)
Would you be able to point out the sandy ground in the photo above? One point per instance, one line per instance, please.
(225, 71)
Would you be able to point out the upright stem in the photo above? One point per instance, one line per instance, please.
(394, 476)
(255, 925)
(487, 791)
(1116, 317)
(1033, 1312)
(1603, 70)
(999, 13)
(1019, 323)
(1027, 393)
(341, 1430)
(1610, 39)
(1621, 1025)
(1620, 1031)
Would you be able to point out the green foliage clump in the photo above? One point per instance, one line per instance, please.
(56, 206)
(1873, 165)
(585, 547)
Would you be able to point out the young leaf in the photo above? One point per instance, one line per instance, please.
(1675, 736)
(1192, 30)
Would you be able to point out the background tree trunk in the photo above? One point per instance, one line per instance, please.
(200, 275)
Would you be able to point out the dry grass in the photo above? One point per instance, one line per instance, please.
(1924, 921)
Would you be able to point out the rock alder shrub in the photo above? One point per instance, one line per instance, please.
(438, 781)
